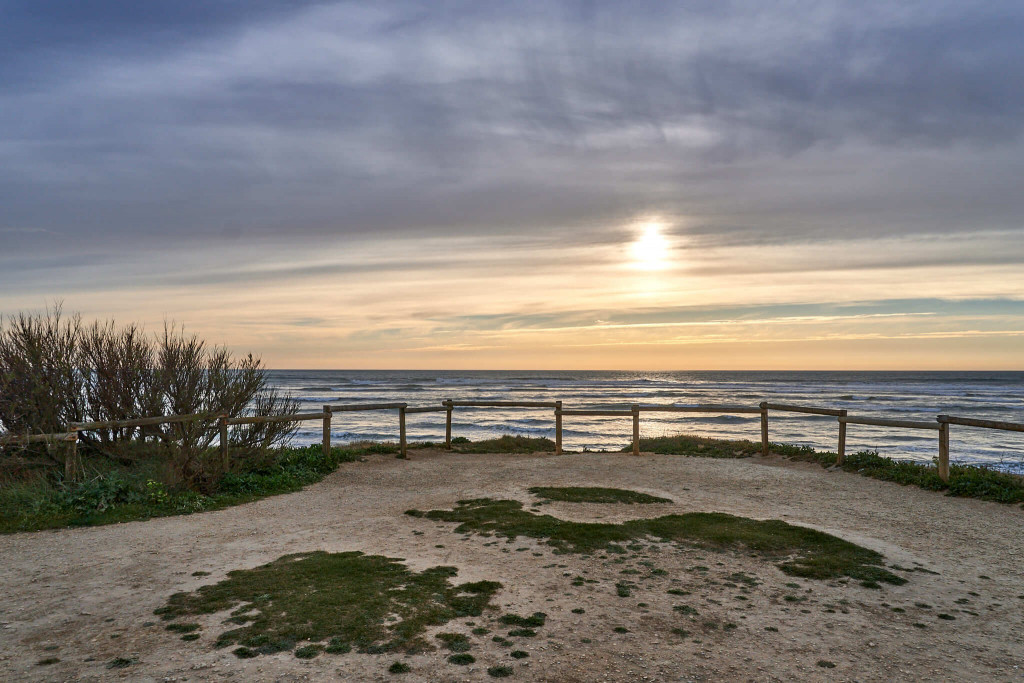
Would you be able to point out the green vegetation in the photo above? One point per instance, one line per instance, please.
(965, 481)
(682, 444)
(462, 659)
(119, 494)
(536, 620)
(344, 599)
(519, 654)
(455, 642)
(505, 444)
(121, 662)
(499, 671)
(399, 668)
(803, 552)
(594, 494)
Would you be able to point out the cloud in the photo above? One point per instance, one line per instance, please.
(796, 151)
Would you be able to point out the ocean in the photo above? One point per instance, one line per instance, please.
(897, 395)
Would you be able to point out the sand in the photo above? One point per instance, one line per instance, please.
(84, 595)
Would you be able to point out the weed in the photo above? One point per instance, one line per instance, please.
(577, 494)
(681, 632)
(183, 628)
(462, 659)
(825, 664)
(47, 661)
(698, 446)
(121, 662)
(308, 651)
(456, 642)
(399, 668)
(519, 654)
(481, 631)
(579, 610)
(620, 629)
(499, 671)
(772, 629)
(623, 590)
(533, 621)
(507, 443)
(522, 633)
(947, 617)
(504, 642)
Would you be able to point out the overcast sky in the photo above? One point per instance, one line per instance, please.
(536, 185)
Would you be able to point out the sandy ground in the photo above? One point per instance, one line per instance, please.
(85, 595)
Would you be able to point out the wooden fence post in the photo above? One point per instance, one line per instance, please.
(71, 465)
(841, 450)
(943, 449)
(636, 429)
(401, 431)
(327, 431)
(225, 461)
(448, 424)
(558, 427)
(764, 428)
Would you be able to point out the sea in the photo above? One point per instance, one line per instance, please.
(895, 395)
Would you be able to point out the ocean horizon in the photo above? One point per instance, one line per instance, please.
(904, 395)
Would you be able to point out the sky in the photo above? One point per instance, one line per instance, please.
(535, 185)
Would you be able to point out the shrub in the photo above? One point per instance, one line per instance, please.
(55, 371)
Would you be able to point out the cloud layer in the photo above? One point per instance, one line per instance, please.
(799, 153)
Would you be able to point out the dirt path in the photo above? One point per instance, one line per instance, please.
(85, 596)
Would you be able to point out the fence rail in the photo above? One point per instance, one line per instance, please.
(941, 425)
(987, 424)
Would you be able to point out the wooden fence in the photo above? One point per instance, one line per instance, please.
(72, 464)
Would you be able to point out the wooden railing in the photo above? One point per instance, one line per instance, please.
(72, 465)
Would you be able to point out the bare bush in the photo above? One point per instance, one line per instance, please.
(42, 385)
(54, 371)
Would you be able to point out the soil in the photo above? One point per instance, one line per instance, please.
(86, 596)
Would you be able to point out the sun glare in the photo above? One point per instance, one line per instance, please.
(650, 250)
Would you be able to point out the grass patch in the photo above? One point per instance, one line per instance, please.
(456, 642)
(462, 659)
(536, 620)
(505, 444)
(522, 633)
(399, 668)
(499, 671)
(121, 662)
(803, 552)
(594, 494)
(47, 661)
(519, 654)
(682, 444)
(344, 598)
(127, 494)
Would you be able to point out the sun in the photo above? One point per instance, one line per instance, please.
(650, 249)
